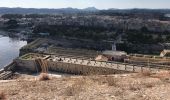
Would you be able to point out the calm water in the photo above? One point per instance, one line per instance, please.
(9, 49)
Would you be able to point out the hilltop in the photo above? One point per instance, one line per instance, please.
(113, 87)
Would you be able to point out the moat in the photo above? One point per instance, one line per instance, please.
(9, 49)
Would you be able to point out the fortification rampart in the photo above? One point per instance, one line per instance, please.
(78, 65)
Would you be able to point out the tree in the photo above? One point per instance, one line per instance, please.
(168, 38)
(159, 39)
(144, 29)
(11, 24)
(12, 16)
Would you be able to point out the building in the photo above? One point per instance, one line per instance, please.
(165, 53)
(114, 55)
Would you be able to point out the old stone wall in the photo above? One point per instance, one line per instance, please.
(81, 66)
(26, 65)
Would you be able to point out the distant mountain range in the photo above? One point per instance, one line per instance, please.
(5, 10)
(90, 9)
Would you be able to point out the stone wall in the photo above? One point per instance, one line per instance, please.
(81, 66)
(26, 65)
(81, 69)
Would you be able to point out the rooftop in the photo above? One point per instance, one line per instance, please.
(114, 53)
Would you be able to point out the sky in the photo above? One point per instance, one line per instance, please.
(100, 4)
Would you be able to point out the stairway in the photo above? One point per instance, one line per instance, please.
(5, 75)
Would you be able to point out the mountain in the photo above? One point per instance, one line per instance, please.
(113, 9)
(5, 10)
(90, 9)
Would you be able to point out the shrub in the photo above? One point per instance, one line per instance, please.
(2, 96)
(145, 73)
(135, 86)
(111, 81)
(149, 85)
(75, 88)
(44, 77)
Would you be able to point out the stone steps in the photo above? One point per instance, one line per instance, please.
(5, 75)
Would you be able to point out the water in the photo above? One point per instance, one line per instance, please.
(9, 49)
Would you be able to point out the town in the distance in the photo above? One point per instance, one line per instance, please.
(77, 47)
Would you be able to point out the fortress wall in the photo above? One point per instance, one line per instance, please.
(30, 65)
(80, 69)
(26, 65)
(79, 66)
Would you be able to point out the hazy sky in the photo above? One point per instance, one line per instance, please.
(100, 4)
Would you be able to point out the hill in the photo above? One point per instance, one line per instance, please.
(69, 10)
(4, 10)
(113, 87)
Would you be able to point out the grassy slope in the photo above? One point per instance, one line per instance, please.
(117, 87)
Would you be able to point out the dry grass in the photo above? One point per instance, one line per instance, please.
(111, 81)
(162, 74)
(44, 77)
(75, 88)
(149, 85)
(103, 87)
(135, 86)
(138, 85)
(2, 96)
(145, 73)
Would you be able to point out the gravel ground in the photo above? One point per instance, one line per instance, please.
(113, 87)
